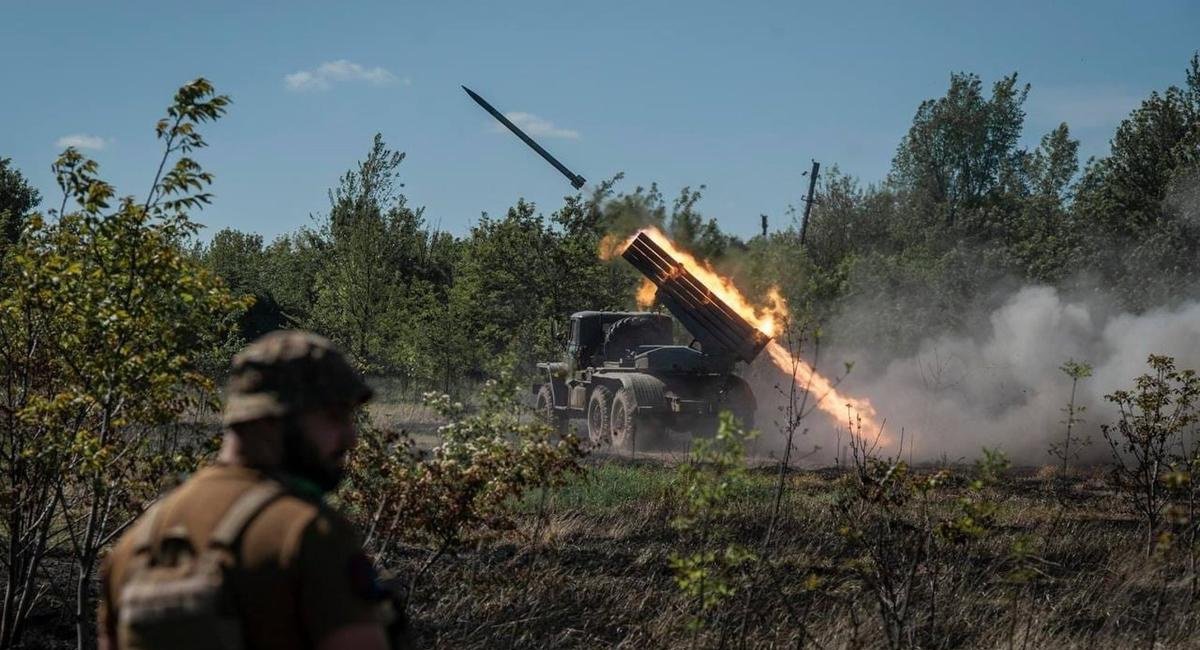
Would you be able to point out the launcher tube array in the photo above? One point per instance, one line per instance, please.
(701, 311)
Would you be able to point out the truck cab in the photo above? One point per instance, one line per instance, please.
(593, 342)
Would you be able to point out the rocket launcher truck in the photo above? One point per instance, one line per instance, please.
(626, 376)
(623, 372)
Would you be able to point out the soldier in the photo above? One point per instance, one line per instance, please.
(245, 553)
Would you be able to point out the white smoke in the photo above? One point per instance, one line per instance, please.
(1004, 388)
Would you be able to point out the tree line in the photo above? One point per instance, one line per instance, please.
(965, 209)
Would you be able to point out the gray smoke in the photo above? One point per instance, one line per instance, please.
(1003, 387)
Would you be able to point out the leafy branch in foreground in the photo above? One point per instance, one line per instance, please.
(708, 482)
(1071, 442)
(898, 538)
(104, 319)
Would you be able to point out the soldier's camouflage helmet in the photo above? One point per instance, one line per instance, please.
(290, 371)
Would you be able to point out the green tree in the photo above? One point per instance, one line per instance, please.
(1151, 438)
(1124, 192)
(504, 287)
(376, 243)
(1138, 240)
(1054, 164)
(961, 145)
(239, 259)
(104, 320)
(292, 263)
(688, 227)
(584, 279)
(17, 200)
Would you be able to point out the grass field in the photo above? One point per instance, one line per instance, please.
(1060, 566)
(1057, 561)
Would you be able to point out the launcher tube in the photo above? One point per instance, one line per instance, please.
(714, 323)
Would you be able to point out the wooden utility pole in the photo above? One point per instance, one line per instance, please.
(812, 186)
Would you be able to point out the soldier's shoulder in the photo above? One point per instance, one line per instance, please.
(292, 521)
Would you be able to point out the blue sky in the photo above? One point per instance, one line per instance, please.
(737, 96)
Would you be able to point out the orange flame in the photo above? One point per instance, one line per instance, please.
(766, 318)
(612, 245)
(827, 398)
(646, 293)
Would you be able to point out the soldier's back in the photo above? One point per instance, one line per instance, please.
(299, 571)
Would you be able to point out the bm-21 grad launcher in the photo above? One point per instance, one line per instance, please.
(624, 373)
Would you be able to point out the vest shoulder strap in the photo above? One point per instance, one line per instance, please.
(242, 512)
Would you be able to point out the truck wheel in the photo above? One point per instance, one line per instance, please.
(598, 411)
(633, 429)
(544, 408)
(629, 428)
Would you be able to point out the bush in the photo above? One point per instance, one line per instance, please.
(1149, 440)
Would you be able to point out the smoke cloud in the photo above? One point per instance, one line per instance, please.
(1002, 387)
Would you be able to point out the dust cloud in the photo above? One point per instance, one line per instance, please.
(1002, 387)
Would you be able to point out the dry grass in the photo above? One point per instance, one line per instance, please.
(593, 573)
(411, 416)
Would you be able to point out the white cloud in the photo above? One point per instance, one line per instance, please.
(538, 127)
(325, 75)
(81, 141)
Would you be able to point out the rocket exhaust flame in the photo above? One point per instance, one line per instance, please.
(721, 330)
(823, 392)
(646, 293)
(767, 320)
(764, 319)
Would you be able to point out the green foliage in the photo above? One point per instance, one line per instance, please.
(375, 244)
(105, 320)
(505, 291)
(1148, 440)
(467, 486)
(714, 473)
(518, 279)
(17, 200)
(1141, 241)
(976, 514)
(961, 147)
(240, 260)
(292, 264)
(896, 535)
(1069, 448)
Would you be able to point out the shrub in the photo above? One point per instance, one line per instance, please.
(1148, 438)
(465, 487)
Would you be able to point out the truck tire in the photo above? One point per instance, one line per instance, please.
(599, 407)
(544, 408)
(629, 428)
